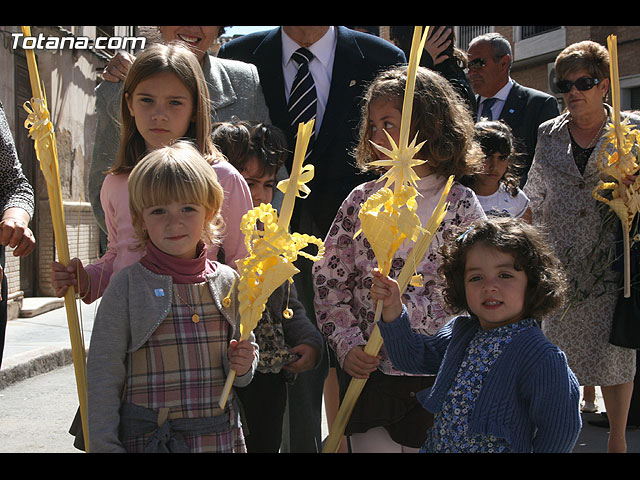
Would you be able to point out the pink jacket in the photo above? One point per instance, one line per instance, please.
(114, 197)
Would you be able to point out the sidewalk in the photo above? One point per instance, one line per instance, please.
(39, 342)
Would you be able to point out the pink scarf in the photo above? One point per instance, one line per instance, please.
(192, 270)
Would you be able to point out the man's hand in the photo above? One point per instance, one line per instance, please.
(118, 67)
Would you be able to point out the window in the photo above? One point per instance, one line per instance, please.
(630, 92)
(537, 43)
(105, 31)
(468, 33)
(531, 31)
(634, 97)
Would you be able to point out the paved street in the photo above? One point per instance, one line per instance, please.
(36, 413)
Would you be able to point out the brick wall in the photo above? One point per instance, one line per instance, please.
(82, 236)
(83, 239)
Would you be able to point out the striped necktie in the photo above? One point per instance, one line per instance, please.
(303, 98)
(486, 108)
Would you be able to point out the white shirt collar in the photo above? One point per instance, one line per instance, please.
(322, 49)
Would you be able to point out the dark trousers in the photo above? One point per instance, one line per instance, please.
(303, 418)
(263, 404)
(303, 421)
(3, 304)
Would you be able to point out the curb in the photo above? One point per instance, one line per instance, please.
(43, 363)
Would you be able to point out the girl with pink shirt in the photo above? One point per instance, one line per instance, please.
(165, 98)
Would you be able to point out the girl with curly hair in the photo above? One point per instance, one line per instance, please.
(501, 385)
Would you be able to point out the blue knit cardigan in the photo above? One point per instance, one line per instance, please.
(530, 397)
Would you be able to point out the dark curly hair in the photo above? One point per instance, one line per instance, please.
(546, 280)
(239, 141)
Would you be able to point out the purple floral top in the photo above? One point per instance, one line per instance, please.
(342, 278)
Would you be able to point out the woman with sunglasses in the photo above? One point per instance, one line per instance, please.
(560, 185)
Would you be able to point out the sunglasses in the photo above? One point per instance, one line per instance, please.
(582, 84)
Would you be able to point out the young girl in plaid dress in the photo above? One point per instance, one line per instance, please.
(164, 340)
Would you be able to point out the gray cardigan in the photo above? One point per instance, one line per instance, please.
(133, 306)
(235, 92)
(15, 189)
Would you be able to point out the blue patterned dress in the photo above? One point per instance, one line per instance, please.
(450, 431)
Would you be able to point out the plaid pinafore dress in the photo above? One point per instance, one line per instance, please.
(175, 380)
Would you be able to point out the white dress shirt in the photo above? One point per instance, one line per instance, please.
(320, 66)
(501, 98)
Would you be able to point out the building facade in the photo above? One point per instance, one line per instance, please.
(70, 70)
(536, 47)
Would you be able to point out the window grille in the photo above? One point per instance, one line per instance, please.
(468, 33)
(529, 31)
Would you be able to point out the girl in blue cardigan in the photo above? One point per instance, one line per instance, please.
(501, 386)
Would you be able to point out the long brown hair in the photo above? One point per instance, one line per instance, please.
(439, 116)
(172, 58)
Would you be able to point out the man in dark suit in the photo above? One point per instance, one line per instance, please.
(344, 61)
(500, 97)
(357, 58)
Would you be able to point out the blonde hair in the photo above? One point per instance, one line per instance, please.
(176, 173)
(159, 58)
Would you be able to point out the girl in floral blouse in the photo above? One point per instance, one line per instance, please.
(387, 417)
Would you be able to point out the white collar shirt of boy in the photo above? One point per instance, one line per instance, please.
(320, 68)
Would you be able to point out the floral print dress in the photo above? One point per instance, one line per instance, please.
(342, 279)
(563, 204)
(450, 432)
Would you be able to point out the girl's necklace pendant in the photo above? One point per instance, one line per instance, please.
(194, 317)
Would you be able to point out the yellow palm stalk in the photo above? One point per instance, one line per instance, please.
(394, 210)
(624, 140)
(375, 340)
(388, 219)
(41, 131)
(272, 251)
